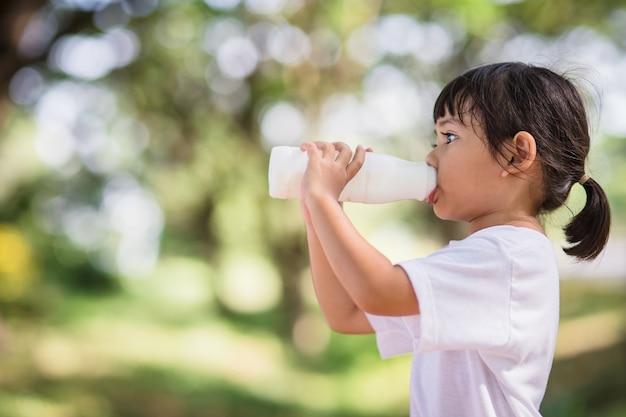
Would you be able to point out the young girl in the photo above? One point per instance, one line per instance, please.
(479, 316)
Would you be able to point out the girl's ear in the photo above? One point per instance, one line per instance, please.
(522, 153)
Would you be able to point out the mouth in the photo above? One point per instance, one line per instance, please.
(431, 196)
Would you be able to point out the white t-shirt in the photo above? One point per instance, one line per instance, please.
(484, 340)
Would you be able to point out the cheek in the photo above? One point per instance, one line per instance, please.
(454, 169)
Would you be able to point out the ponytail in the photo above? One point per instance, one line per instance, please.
(588, 231)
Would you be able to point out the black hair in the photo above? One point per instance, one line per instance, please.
(506, 98)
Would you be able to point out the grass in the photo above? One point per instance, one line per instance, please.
(129, 356)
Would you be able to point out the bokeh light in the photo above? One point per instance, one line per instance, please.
(237, 57)
(283, 124)
(288, 45)
(26, 86)
(248, 283)
(17, 270)
(93, 57)
(311, 334)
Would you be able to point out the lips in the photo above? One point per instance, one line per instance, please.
(431, 196)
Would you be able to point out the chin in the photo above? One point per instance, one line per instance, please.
(442, 214)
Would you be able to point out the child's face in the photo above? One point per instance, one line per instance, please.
(469, 180)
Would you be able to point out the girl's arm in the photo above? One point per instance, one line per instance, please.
(370, 280)
(340, 311)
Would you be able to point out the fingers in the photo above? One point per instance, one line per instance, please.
(344, 152)
(306, 146)
(337, 150)
(312, 149)
(327, 149)
(357, 161)
(340, 152)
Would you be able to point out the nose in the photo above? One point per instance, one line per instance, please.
(431, 158)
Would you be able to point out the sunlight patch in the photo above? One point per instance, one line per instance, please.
(248, 283)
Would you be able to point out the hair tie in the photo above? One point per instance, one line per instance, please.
(583, 179)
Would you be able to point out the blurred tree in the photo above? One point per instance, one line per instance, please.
(169, 109)
(14, 16)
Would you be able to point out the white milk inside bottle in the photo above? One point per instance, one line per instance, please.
(381, 179)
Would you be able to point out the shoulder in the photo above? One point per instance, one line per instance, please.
(508, 239)
(496, 250)
(525, 255)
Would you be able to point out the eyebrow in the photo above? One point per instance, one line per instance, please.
(447, 120)
(450, 120)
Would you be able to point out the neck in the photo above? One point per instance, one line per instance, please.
(511, 219)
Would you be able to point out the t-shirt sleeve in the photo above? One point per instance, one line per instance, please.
(464, 293)
(395, 335)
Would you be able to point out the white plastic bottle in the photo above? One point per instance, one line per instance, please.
(382, 179)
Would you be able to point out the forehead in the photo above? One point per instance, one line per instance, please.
(448, 120)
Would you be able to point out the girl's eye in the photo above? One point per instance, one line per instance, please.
(450, 137)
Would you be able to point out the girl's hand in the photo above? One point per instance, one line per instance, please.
(328, 173)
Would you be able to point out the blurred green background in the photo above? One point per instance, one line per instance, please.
(144, 270)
